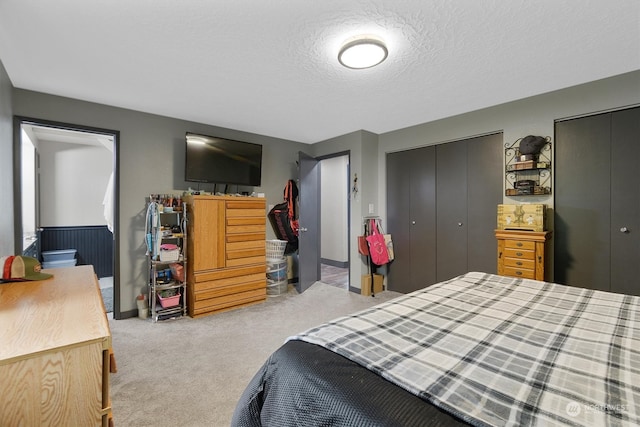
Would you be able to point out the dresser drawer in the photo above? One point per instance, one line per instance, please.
(520, 244)
(247, 261)
(244, 253)
(257, 205)
(246, 225)
(208, 290)
(246, 213)
(519, 253)
(244, 244)
(212, 285)
(229, 273)
(519, 263)
(246, 237)
(519, 272)
(227, 302)
(246, 229)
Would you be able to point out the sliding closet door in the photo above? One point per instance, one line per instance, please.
(469, 189)
(451, 207)
(582, 202)
(484, 194)
(441, 210)
(411, 218)
(597, 202)
(625, 202)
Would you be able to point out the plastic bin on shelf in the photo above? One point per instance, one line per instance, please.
(60, 263)
(59, 255)
(59, 258)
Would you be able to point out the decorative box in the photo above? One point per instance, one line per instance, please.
(530, 217)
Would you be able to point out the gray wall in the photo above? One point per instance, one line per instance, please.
(6, 164)
(152, 158)
(151, 153)
(535, 115)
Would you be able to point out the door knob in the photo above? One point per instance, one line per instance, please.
(303, 229)
(624, 230)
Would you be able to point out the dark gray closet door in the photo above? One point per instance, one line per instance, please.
(469, 189)
(484, 183)
(582, 202)
(411, 218)
(441, 210)
(597, 202)
(451, 208)
(625, 202)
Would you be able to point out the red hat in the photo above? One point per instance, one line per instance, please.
(18, 268)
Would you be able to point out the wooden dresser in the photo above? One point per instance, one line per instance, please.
(523, 253)
(226, 253)
(54, 351)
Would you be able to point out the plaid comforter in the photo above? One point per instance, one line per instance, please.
(500, 351)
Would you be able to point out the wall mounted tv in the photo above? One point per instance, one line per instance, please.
(222, 161)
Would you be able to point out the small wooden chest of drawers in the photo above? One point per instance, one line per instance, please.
(523, 253)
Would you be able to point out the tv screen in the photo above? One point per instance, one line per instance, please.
(222, 161)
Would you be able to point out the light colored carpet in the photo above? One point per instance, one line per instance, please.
(106, 288)
(191, 372)
(107, 297)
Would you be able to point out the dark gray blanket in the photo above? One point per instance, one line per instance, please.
(303, 384)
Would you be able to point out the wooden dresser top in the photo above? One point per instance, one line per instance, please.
(40, 316)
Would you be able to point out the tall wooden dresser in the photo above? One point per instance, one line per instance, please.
(54, 351)
(523, 254)
(226, 252)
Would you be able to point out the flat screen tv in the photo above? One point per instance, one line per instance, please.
(222, 161)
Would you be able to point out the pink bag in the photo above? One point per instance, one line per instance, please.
(377, 245)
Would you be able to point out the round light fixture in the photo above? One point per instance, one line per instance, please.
(362, 52)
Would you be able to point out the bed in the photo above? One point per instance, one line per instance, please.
(479, 349)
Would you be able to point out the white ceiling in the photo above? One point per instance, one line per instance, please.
(270, 66)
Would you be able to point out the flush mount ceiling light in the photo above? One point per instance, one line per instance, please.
(363, 51)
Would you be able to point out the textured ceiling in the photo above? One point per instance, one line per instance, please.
(270, 67)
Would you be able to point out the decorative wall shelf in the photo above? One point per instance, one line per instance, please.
(527, 175)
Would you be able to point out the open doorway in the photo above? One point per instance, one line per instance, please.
(66, 181)
(334, 219)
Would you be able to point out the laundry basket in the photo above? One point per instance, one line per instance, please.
(275, 249)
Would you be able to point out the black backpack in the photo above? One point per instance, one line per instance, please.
(283, 218)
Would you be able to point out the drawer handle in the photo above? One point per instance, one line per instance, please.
(519, 263)
(519, 273)
(519, 244)
(519, 253)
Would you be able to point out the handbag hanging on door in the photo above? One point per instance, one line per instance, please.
(377, 245)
